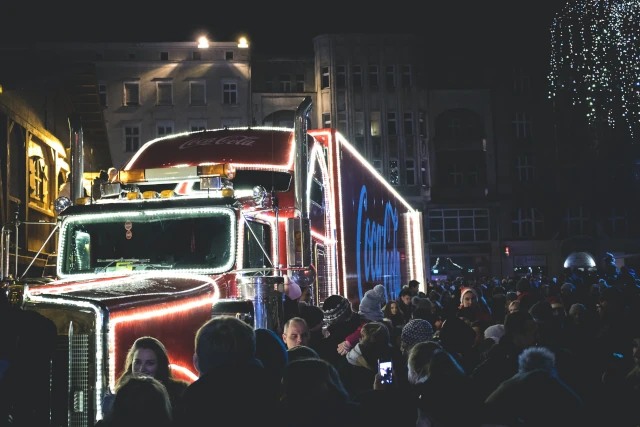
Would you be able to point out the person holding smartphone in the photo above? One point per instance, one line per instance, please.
(362, 362)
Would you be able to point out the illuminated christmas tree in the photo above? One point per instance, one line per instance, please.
(595, 59)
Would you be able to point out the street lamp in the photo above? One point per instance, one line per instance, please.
(203, 43)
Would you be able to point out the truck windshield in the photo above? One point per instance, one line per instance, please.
(200, 240)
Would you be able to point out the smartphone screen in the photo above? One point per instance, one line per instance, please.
(385, 368)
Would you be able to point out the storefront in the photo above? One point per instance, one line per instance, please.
(458, 259)
(534, 264)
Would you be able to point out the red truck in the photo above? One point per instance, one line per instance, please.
(207, 223)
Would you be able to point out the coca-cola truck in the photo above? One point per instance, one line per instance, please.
(207, 223)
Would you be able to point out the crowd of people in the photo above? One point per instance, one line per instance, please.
(526, 351)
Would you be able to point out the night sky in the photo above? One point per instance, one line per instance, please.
(284, 27)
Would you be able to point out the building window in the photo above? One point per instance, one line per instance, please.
(377, 165)
(373, 76)
(341, 100)
(132, 93)
(391, 76)
(358, 130)
(325, 78)
(358, 123)
(299, 82)
(617, 222)
(196, 125)
(164, 91)
(472, 174)
(229, 93)
(376, 148)
(527, 222)
(38, 174)
(408, 123)
(356, 76)
(406, 76)
(285, 83)
(164, 56)
(577, 219)
(228, 55)
(456, 176)
(196, 55)
(392, 145)
(102, 91)
(522, 125)
(269, 84)
(342, 123)
(455, 128)
(341, 76)
(164, 128)
(391, 123)
(458, 225)
(229, 122)
(422, 123)
(521, 81)
(198, 93)
(394, 172)
(131, 138)
(326, 120)
(410, 172)
(525, 169)
(375, 123)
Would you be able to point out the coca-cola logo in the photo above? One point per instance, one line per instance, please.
(223, 140)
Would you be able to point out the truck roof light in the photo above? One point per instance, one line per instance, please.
(83, 200)
(134, 175)
(227, 192)
(133, 195)
(150, 195)
(226, 170)
(166, 194)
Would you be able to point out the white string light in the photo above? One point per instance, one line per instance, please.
(595, 57)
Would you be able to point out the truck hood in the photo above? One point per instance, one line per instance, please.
(134, 290)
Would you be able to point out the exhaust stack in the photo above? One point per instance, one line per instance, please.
(77, 160)
(301, 227)
(302, 154)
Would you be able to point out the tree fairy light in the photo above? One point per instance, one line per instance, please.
(595, 59)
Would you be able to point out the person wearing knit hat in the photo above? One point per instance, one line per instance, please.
(468, 297)
(336, 309)
(495, 332)
(372, 303)
(557, 306)
(370, 311)
(470, 309)
(414, 332)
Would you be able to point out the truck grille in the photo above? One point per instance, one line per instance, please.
(71, 389)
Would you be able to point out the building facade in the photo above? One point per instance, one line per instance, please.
(33, 128)
(150, 90)
(279, 85)
(372, 89)
(566, 187)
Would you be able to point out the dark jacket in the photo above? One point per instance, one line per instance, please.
(536, 398)
(238, 395)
